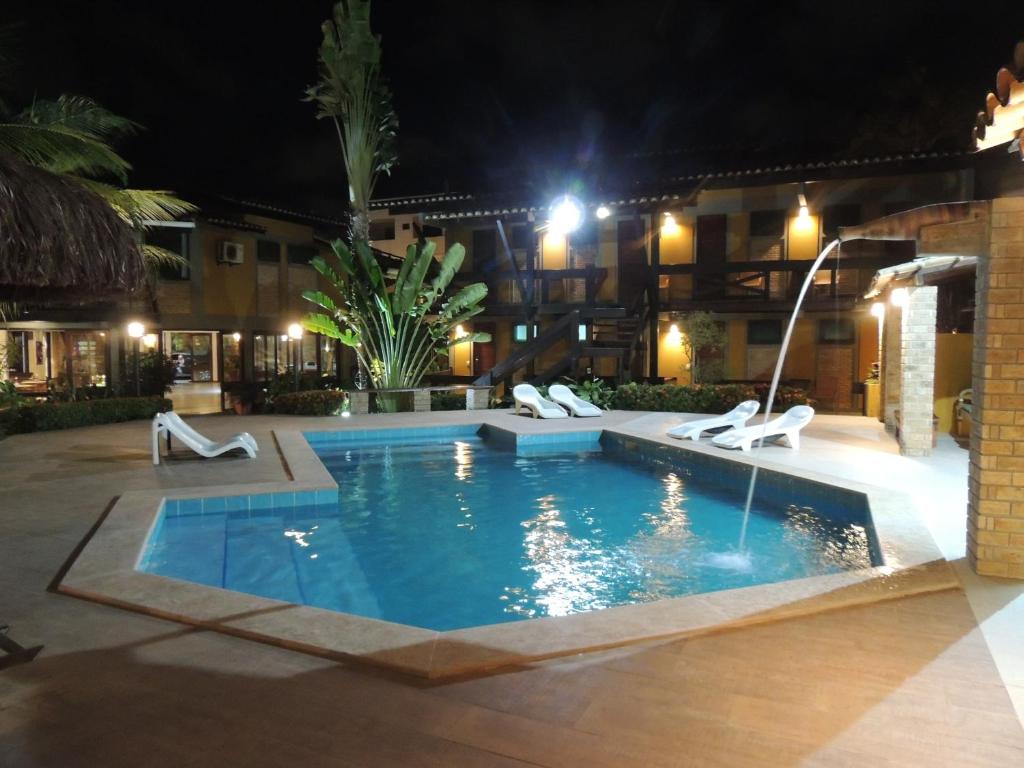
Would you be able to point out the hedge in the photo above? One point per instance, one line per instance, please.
(701, 398)
(314, 402)
(447, 401)
(43, 417)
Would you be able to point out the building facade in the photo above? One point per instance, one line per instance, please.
(611, 297)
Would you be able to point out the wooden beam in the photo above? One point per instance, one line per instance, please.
(653, 298)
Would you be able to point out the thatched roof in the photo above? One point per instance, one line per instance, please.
(60, 241)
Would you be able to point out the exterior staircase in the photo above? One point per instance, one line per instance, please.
(616, 332)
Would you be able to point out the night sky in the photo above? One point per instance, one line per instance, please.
(532, 95)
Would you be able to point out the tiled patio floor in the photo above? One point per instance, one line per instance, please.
(901, 683)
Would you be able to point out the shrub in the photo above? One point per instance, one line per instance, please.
(43, 417)
(315, 402)
(156, 374)
(447, 401)
(701, 398)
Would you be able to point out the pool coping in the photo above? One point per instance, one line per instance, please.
(105, 571)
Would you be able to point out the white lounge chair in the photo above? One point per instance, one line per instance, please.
(171, 424)
(528, 396)
(566, 398)
(788, 425)
(734, 419)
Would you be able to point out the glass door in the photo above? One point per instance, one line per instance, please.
(192, 355)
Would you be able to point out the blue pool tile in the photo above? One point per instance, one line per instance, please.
(214, 504)
(190, 506)
(283, 499)
(170, 506)
(305, 498)
(327, 496)
(261, 501)
(235, 503)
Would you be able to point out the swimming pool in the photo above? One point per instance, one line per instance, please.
(460, 527)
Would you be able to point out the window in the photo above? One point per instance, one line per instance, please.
(267, 251)
(764, 332)
(301, 254)
(583, 335)
(520, 332)
(767, 233)
(382, 229)
(175, 240)
(17, 352)
(231, 357)
(835, 331)
(265, 356)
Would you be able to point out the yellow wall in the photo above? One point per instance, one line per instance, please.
(461, 355)
(673, 355)
(228, 289)
(676, 243)
(804, 237)
(953, 353)
(801, 357)
(553, 252)
(736, 360)
(867, 345)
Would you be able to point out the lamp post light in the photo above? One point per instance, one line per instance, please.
(137, 330)
(295, 334)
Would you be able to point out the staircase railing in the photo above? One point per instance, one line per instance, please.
(640, 309)
(566, 328)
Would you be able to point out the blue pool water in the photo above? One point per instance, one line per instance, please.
(445, 531)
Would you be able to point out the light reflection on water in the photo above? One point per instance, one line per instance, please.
(460, 534)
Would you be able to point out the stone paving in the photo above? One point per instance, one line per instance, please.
(905, 682)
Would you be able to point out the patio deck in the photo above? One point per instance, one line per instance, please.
(906, 682)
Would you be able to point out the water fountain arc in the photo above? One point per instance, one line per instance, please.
(775, 385)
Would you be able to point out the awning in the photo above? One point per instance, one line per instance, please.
(923, 271)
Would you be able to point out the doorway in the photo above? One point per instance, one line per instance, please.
(196, 358)
(192, 355)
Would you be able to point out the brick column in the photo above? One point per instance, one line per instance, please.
(917, 371)
(995, 511)
(891, 364)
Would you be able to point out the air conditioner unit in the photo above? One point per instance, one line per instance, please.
(231, 253)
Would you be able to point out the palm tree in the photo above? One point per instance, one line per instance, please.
(397, 326)
(73, 136)
(352, 93)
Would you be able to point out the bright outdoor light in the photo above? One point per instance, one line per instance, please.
(603, 212)
(149, 341)
(898, 297)
(878, 309)
(136, 330)
(673, 331)
(295, 331)
(459, 331)
(566, 216)
(669, 225)
(236, 336)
